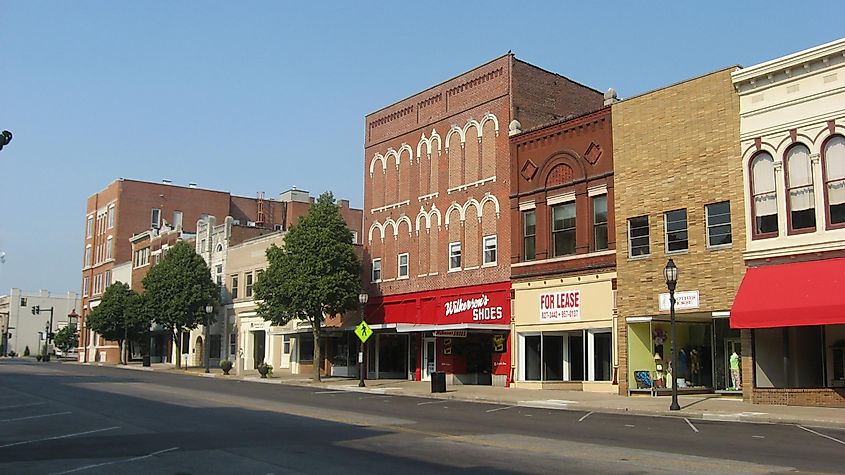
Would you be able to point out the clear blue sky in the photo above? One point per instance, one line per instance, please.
(258, 96)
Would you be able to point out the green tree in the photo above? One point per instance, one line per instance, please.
(66, 338)
(120, 316)
(315, 274)
(177, 291)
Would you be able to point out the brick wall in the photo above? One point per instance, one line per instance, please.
(540, 96)
(829, 397)
(673, 148)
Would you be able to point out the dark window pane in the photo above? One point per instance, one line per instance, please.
(638, 236)
(532, 358)
(563, 229)
(767, 224)
(576, 356)
(804, 219)
(553, 358)
(676, 230)
(600, 242)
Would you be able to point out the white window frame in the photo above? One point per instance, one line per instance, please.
(111, 212)
(647, 236)
(109, 247)
(453, 246)
(249, 284)
(89, 226)
(177, 219)
(707, 226)
(484, 250)
(86, 286)
(666, 231)
(155, 213)
(376, 264)
(88, 255)
(399, 273)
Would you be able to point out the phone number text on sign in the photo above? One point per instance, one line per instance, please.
(560, 306)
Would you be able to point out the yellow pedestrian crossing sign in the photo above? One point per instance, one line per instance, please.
(363, 331)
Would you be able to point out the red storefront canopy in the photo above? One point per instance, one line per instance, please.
(789, 295)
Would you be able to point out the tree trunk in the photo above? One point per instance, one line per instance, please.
(122, 345)
(177, 340)
(318, 358)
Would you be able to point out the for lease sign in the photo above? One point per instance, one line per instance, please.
(560, 306)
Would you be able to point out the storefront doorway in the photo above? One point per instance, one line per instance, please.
(429, 358)
(258, 348)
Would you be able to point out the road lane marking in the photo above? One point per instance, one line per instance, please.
(133, 459)
(22, 405)
(499, 408)
(690, 424)
(35, 417)
(430, 402)
(629, 425)
(57, 437)
(327, 392)
(585, 416)
(758, 437)
(821, 435)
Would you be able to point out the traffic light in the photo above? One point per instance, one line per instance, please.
(36, 309)
(5, 138)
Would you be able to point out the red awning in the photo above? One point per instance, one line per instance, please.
(790, 295)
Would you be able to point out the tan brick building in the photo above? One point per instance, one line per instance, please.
(436, 188)
(675, 153)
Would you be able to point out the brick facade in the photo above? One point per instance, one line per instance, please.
(437, 171)
(676, 148)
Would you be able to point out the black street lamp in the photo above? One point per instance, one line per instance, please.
(205, 347)
(670, 272)
(362, 298)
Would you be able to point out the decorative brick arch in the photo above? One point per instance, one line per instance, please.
(455, 130)
(472, 202)
(403, 219)
(377, 157)
(489, 117)
(488, 198)
(551, 169)
(376, 226)
(454, 208)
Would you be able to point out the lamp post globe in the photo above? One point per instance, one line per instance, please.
(670, 272)
(362, 299)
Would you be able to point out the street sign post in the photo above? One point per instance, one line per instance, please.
(363, 331)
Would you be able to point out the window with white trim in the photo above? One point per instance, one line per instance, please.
(563, 229)
(675, 225)
(529, 235)
(454, 256)
(234, 287)
(177, 219)
(107, 278)
(155, 218)
(402, 265)
(88, 255)
(763, 195)
(109, 247)
(248, 284)
(376, 275)
(718, 217)
(834, 178)
(86, 286)
(600, 223)
(638, 237)
(111, 216)
(89, 227)
(490, 247)
(799, 178)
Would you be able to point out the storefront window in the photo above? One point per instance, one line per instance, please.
(563, 356)
(602, 356)
(789, 357)
(650, 354)
(531, 344)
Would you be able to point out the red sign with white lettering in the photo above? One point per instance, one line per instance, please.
(480, 304)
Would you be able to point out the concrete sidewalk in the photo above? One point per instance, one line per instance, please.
(701, 407)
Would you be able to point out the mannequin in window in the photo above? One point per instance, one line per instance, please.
(736, 373)
(682, 365)
(695, 365)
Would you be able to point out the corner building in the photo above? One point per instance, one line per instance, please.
(437, 247)
(791, 304)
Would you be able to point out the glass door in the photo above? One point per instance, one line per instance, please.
(429, 358)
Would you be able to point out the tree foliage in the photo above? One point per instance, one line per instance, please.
(315, 274)
(66, 338)
(120, 316)
(178, 289)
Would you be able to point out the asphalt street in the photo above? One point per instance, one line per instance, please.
(58, 418)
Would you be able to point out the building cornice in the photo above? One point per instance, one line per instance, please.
(788, 67)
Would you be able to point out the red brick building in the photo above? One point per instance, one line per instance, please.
(129, 207)
(437, 250)
(563, 256)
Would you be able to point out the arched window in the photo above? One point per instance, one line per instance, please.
(834, 178)
(764, 196)
(799, 184)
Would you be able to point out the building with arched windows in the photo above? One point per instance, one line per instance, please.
(791, 304)
(437, 228)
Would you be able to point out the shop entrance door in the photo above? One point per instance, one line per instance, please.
(429, 358)
(731, 345)
(258, 348)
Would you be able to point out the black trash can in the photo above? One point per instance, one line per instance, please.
(438, 382)
(146, 360)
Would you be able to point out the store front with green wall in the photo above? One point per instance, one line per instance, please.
(705, 344)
